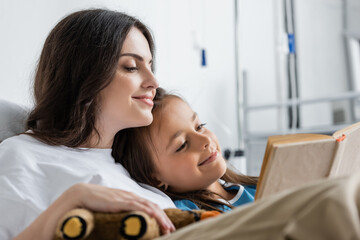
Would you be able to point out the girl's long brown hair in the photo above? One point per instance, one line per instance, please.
(134, 149)
(78, 60)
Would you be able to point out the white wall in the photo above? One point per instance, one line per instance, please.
(321, 66)
(258, 60)
(353, 16)
(211, 90)
(321, 59)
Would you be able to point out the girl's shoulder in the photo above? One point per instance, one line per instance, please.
(185, 204)
(236, 186)
(244, 193)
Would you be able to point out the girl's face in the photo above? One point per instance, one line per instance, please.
(128, 100)
(187, 155)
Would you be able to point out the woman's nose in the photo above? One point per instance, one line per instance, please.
(150, 80)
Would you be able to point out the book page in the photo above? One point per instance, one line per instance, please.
(348, 130)
(349, 161)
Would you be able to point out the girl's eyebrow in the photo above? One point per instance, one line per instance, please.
(178, 133)
(135, 56)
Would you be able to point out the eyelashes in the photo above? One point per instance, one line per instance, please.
(181, 147)
(200, 126)
(131, 69)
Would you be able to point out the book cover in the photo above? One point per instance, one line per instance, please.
(296, 159)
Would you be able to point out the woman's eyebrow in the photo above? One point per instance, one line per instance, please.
(194, 116)
(178, 133)
(135, 56)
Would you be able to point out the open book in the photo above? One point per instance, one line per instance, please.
(295, 159)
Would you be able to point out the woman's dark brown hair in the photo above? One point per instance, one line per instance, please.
(134, 149)
(78, 60)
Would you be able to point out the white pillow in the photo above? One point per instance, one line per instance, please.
(12, 119)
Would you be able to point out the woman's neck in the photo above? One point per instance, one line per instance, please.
(106, 131)
(101, 140)
(217, 188)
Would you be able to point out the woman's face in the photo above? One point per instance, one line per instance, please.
(188, 156)
(128, 100)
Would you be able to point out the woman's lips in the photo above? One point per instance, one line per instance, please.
(145, 99)
(210, 159)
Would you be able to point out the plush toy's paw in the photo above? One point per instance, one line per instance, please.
(138, 225)
(75, 225)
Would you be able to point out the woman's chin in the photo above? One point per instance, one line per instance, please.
(146, 121)
(149, 120)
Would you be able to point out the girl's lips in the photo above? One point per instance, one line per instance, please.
(210, 159)
(147, 100)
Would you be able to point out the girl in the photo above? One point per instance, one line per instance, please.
(181, 157)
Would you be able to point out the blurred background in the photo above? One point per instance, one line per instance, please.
(250, 68)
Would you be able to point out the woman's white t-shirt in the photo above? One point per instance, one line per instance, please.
(33, 174)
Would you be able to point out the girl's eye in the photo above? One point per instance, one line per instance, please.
(201, 126)
(131, 69)
(182, 147)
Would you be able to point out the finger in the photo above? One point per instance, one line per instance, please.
(163, 219)
(165, 232)
(154, 211)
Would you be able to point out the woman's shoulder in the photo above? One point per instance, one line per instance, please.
(22, 137)
(16, 141)
(17, 148)
(20, 142)
(24, 149)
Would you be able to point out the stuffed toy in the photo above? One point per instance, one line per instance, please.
(83, 224)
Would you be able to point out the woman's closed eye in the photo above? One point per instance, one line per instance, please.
(131, 69)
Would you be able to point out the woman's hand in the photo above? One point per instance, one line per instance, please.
(95, 198)
(104, 199)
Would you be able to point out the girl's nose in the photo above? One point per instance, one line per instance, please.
(204, 141)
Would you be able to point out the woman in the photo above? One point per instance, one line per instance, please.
(94, 78)
(178, 155)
